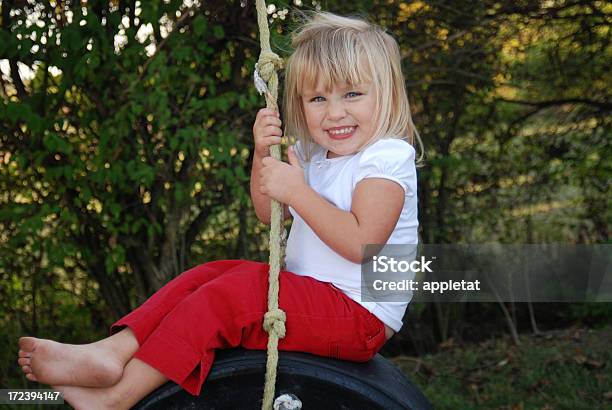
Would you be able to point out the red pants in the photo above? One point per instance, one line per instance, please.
(221, 305)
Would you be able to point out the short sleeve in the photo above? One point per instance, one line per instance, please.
(392, 159)
(299, 152)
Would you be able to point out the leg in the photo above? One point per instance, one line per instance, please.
(322, 320)
(101, 363)
(96, 364)
(215, 316)
(138, 380)
(145, 319)
(228, 312)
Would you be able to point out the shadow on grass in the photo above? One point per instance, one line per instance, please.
(563, 369)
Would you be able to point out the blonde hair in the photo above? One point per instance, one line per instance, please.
(331, 49)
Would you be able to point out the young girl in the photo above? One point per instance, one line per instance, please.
(350, 181)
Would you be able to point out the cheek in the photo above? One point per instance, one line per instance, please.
(368, 116)
(311, 119)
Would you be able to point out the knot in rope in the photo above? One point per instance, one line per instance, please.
(287, 402)
(268, 63)
(274, 321)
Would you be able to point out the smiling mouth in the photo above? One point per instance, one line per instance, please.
(341, 133)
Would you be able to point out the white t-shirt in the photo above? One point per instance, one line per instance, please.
(335, 180)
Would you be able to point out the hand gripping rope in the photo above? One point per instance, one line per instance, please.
(274, 319)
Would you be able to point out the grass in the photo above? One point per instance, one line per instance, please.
(565, 369)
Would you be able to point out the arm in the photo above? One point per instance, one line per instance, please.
(262, 202)
(375, 210)
(266, 132)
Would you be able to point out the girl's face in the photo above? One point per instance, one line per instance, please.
(340, 120)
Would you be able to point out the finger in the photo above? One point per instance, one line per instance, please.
(263, 189)
(263, 132)
(271, 161)
(267, 112)
(273, 140)
(263, 119)
(271, 120)
(273, 130)
(267, 121)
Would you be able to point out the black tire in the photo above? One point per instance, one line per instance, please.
(237, 377)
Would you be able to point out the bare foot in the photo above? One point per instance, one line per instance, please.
(49, 362)
(88, 398)
(138, 380)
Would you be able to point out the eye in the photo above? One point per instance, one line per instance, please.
(353, 94)
(317, 99)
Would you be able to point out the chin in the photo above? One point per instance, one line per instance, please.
(346, 151)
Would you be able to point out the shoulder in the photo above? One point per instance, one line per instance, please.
(389, 150)
(392, 159)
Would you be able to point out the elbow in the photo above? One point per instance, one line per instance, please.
(355, 255)
(260, 212)
(352, 250)
(355, 260)
(264, 219)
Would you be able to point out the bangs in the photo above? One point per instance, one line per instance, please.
(336, 59)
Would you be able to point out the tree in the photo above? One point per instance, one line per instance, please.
(131, 138)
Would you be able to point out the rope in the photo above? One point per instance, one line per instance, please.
(274, 319)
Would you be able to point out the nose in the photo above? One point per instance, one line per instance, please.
(336, 110)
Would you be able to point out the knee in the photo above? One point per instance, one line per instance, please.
(221, 265)
(244, 291)
(199, 275)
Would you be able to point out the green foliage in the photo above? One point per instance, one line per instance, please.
(563, 369)
(593, 314)
(124, 156)
(110, 152)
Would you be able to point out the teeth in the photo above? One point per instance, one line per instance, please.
(341, 131)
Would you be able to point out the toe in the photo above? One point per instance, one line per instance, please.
(26, 369)
(27, 344)
(23, 353)
(24, 361)
(31, 377)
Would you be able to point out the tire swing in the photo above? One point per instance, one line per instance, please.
(306, 381)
